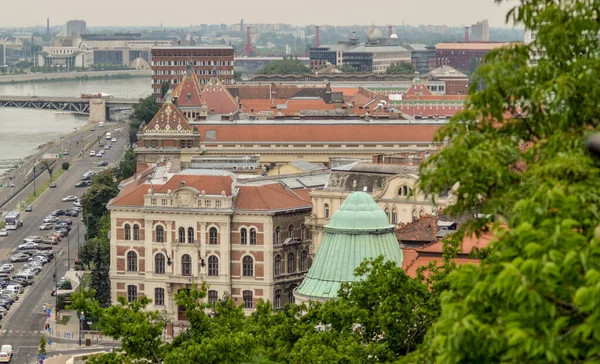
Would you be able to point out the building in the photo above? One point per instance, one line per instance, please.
(67, 52)
(358, 230)
(480, 32)
(455, 82)
(459, 55)
(332, 54)
(172, 231)
(375, 58)
(76, 28)
(169, 64)
(422, 57)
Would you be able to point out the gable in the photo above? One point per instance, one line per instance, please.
(217, 98)
(169, 120)
(187, 93)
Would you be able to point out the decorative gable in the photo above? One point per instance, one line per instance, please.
(418, 88)
(217, 98)
(169, 120)
(187, 93)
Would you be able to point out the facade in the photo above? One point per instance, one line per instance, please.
(459, 55)
(169, 65)
(480, 32)
(375, 58)
(422, 57)
(76, 28)
(333, 54)
(170, 232)
(358, 230)
(456, 82)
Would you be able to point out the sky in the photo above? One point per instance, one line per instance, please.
(301, 12)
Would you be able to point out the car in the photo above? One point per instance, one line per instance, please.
(3, 232)
(7, 267)
(92, 153)
(103, 164)
(33, 238)
(4, 357)
(101, 144)
(88, 183)
(93, 129)
(19, 258)
(107, 147)
(69, 198)
(113, 140)
(28, 209)
(65, 152)
(53, 236)
(58, 213)
(50, 219)
(28, 245)
(61, 226)
(72, 213)
(46, 226)
(65, 221)
(86, 178)
(33, 266)
(80, 184)
(6, 304)
(53, 185)
(77, 204)
(40, 258)
(63, 232)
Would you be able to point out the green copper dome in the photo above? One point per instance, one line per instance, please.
(358, 230)
(359, 212)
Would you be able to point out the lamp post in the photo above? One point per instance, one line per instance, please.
(68, 252)
(81, 318)
(56, 289)
(34, 163)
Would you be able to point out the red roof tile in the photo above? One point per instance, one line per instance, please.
(211, 185)
(217, 97)
(169, 119)
(271, 197)
(296, 105)
(418, 88)
(423, 230)
(187, 92)
(346, 91)
(258, 105)
(424, 260)
(131, 195)
(467, 245)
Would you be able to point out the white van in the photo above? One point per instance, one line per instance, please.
(15, 288)
(7, 349)
(28, 277)
(108, 137)
(101, 124)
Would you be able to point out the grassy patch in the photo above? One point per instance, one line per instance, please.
(65, 319)
(38, 192)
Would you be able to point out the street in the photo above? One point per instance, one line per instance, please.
(24, 323)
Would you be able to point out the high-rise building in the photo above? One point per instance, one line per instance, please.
(75, 28)
(480, 32)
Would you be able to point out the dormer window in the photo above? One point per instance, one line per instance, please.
(189, 97)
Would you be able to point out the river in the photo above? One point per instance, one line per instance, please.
(22, 131)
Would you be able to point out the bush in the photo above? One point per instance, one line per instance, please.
(65, 166)
(66, 285)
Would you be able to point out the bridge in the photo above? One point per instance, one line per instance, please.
(10, 163)
(97, 109)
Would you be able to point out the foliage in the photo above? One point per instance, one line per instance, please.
(42, 347)
(65, 166)
(473, 64)
(84, 301)
(347, 68)
(66, 285)
(94, 201)
(284, 66)
(164, 88)
(48, 166)
(401, 67)
(533, 299)
(237, 75)
(127, 166)
(145, 110)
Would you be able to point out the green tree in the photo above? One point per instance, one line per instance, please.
(347, 68)
(84, 301)
(145, 110)
(48, 166)
(237, 75)
(517, 153)
(127, 166)
(284, 66)
(94, 201)
(42, 348)
(473, 64)
(401, 67)
(65, 166)
(164, 88)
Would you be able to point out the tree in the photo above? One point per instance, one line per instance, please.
(401, 67)
(145, 110)
(94, 201)
(84, 301)
(127, 166)
(346, 68)
(473, 64)
(48, 166)
(65, 166)
(42, 349)
(284, 66)
(164, 88)
(517, 153)
(237, 75)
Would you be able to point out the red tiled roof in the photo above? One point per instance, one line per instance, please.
(320, 133)
(187, 92)
(428, 109)
(217, 97)
(423, 260)
(169, 119)
(467, 245)
(131, 195)
(423, 230)
(258, 105)
(440, 98)
(346, 91)
(418, 88)
(271, 197)
(296, 105)
(212, 185)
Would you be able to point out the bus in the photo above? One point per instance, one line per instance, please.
(13, 220)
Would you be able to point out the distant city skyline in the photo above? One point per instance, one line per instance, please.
(154, 12)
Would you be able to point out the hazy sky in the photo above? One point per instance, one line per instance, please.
(16, 13)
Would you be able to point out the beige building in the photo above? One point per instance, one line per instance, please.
(392, 187)
(171, 231)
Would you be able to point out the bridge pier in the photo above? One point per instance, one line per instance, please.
(98, 110)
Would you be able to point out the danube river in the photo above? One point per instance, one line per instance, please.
(22, 131)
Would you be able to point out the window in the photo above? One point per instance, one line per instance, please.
(210, 135)
(208, 203)
(394, 217)
(191, 235)
(213, 296)
(244, 236)
(247, 296)
(186, 265)
(189, 97)
(153, 201)
(132, 262)
(326, 210)
(302, 232)
(131, 293)
(405, 190)
(303, 261)
(159, 297)
(387, 213)
(217, 203)
(159, 263)
(277, 302)
(415, 217)
(163, 202)
(182, 235)
(160, 234)
(213, 266)
(277, 237)
(136, 232)
(291, 231)
(213, 236)
(291, 263)
(277, 265)
(291, 298)
(421, 213)
(127, 232)
(253, 236)
(248, 266)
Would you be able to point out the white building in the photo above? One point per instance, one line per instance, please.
(480, 32)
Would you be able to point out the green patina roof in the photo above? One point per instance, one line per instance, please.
(358, 230)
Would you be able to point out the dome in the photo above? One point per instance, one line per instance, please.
(359, 212)
(374, 34)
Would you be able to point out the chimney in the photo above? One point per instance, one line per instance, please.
(466, 34)
(390, 31)
(317, 38)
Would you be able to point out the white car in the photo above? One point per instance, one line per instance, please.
(33, 238)
(77, 204)
(69, 198)
(3, 232)
(92, 153)
(46, 226)
(114, 139)
(28, 245)
(6, 267)
(50, 219)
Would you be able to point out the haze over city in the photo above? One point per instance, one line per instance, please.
(186, 12)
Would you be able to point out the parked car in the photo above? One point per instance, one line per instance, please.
(76, 208)
(92, 153)
(50, 219)
(57, 213)
(65, 221)
(46, 226)
(28, 245)
(69, 198)
(3, 232)
(28, 209)
(72, 213)
(19, 258)
(114, 140)
(60, 226)
(53, 185)
(33, 238)
(7, 267)
(63, 232)
(76, 204)
(103, 163)
(80, 184)
(88, 183)
(52, 240)
(53, 235)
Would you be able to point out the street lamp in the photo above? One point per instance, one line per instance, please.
(34, 163)
(81, 318)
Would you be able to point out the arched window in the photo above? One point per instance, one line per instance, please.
(291, 232)
(213, 235)
(387, 213)
(303, 261)
(136, 232)
(191, 237)
(160, 234)
(132, 261)
(277, 265)
(182, 235)
(247, 297)
(291, 263)
(244, 236)
(159, 296)
(421, 213)
(127, 232)
(213, 266)
(326, 210)
(253, 236)
(277, 237)
(291, 298)
(186, 265)
(277, 302)
(415, 217)
(159, 263)
(248, 266)
(405, 190)
(302, 232)
(394, 216)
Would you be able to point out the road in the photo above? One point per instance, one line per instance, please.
(23, 325)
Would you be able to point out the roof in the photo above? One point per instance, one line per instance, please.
(482, 46)
(447, 72)
(423, 230)
(354, 177)
(215, 46)
(131, 195)
(320, 133)
(377, 49)
(346, 91)
(418, 88)
(306, 166)
(423, 260)
(271, 197)
(359, 213)
(419, 47)
(217, 97)
(310, 180)
(211, 185)
(467, 245)
(169, 119)
(187, 92)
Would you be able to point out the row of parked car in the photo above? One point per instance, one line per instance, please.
(54, 222)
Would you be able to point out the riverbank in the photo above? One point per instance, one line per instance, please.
(73, 76)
